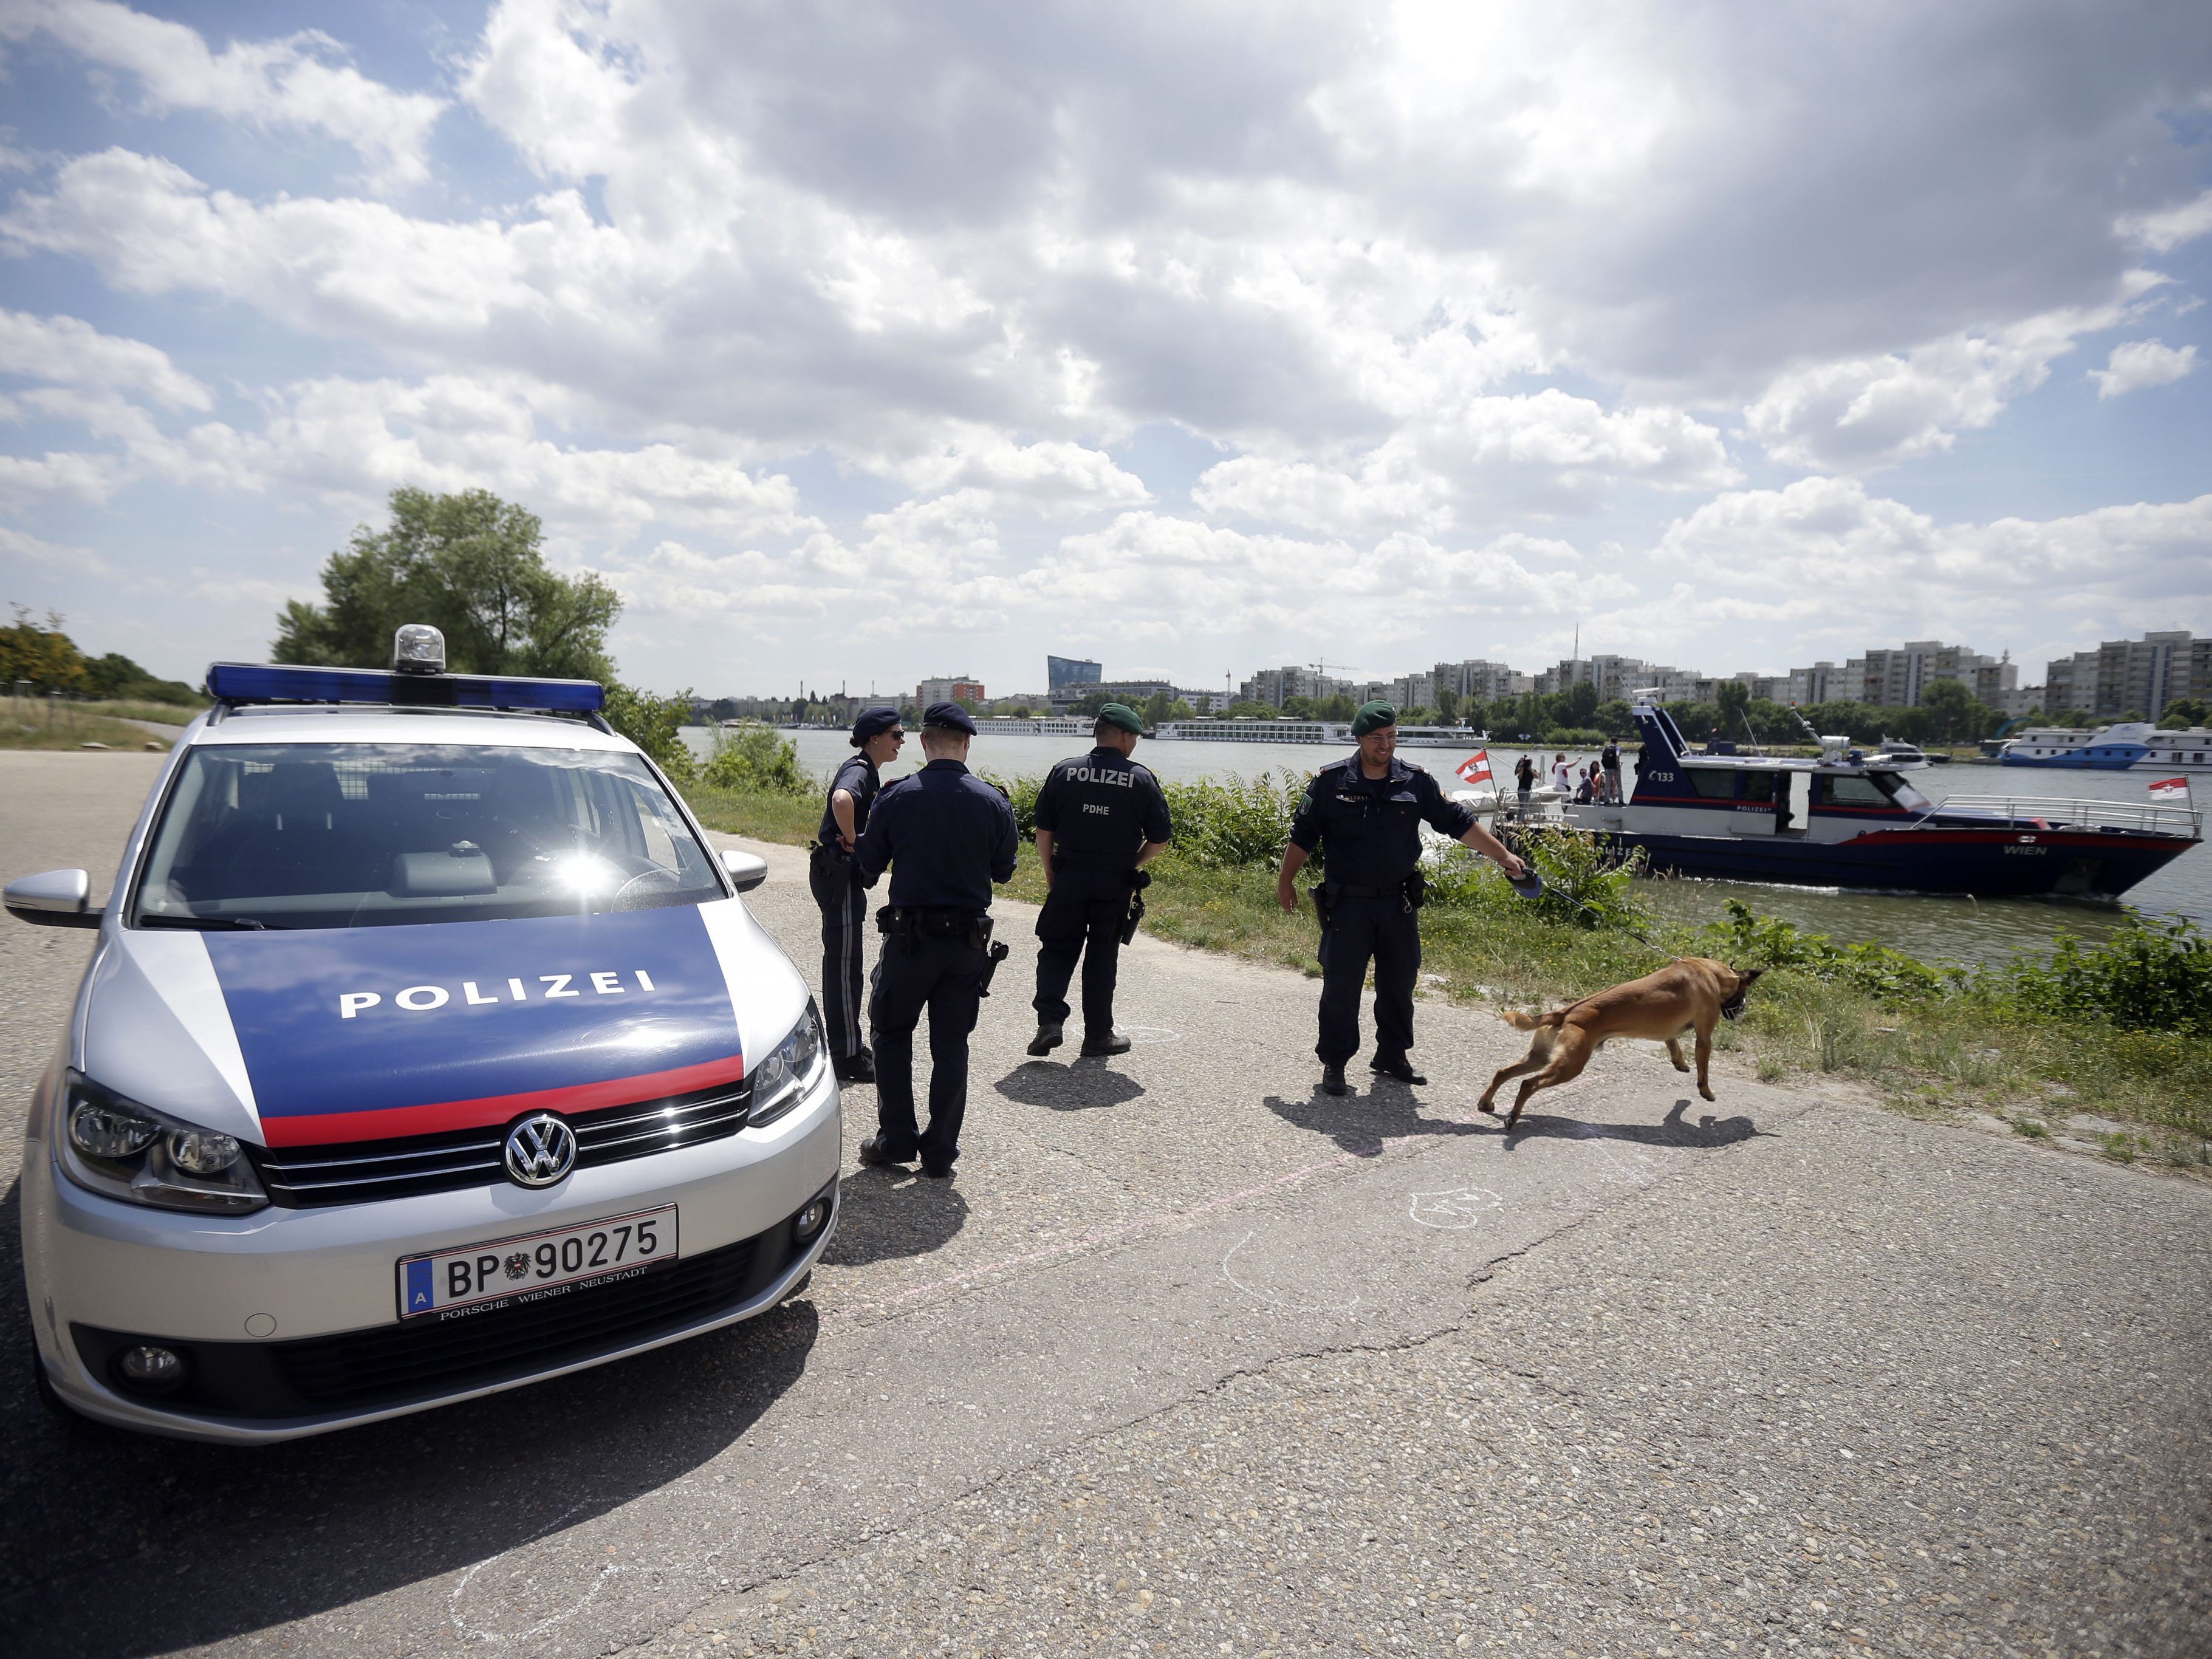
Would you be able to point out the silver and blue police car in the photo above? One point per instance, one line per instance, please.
(425, 1050)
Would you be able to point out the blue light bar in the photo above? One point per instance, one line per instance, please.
(252, 682)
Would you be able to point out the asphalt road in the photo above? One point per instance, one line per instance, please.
(1193, 1359)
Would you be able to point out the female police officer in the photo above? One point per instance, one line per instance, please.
(1365, 814)
(837, 884)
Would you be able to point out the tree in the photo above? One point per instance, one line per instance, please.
(1731, 699)
(1156, 708)
(46, 657)
(1253, 711)
(1447, 706)
(1582, 701)
(1614, 718)
(2183, 713)
(469, 565)
(1954, 715)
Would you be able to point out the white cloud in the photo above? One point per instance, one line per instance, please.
(2141, 363)
(1875, 411)
(19, 544)
(2168, 229)
(1456, 465)
(1055, 478)
(301, 81)
(65, 351)
(1823, 560)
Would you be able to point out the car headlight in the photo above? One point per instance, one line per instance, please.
(119, 1149)
(781, 1080)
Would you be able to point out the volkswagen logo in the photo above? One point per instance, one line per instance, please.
(540, 1151)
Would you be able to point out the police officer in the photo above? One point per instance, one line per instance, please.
(1365, 814)
(946, 836)
(835, 880)
(1099, 817)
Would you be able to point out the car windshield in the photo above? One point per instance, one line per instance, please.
(358, 835)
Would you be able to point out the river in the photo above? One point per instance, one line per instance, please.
(1963, 929)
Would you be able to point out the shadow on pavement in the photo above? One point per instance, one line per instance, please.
(113, 1542)
(1072, 1088)
(887, 1212)
(1359, 1123)
(1707, 1133)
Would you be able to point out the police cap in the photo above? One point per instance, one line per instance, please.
(1373, 717)
(873, 723)
(1120, 714)
(950, 714)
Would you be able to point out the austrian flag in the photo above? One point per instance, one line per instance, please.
(1475, 768)
(2169, 789)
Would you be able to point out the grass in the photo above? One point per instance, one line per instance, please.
(73, 727)
(161, 714)
(1836, 1012)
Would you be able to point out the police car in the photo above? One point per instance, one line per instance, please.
(425, 1050)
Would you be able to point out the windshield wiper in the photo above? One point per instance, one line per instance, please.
(206, 924)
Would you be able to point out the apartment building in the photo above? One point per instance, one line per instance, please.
(2141, 675)
(966, 688)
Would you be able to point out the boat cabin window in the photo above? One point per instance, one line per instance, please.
(1758, 785)
(1843, 790)
(1901, 791)
(1713, 782)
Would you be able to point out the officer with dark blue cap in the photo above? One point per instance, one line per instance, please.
(835, 879)
(946, 836)
(1365, 813)
(1100, 817)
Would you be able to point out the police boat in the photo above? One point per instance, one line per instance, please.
(1846, 820)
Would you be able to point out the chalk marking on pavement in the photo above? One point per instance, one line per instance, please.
(1276, 1302)
(1455, 1207)
(1142, 1035)
(472, 1633)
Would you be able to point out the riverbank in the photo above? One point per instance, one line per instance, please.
(1924, 1038)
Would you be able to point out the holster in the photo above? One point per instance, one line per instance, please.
(1324, 905)
(1415, 893)
(1139, 880)
(829, 860)
(992, 958)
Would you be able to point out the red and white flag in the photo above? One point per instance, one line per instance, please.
(1475, 768)
(2169, 788)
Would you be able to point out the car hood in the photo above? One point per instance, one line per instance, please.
(361, 1034)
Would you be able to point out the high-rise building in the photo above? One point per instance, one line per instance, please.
(1071, 670)
(2124, 676)
(1899, 678)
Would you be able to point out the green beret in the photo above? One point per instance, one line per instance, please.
(1373, 717)
(1120, 714)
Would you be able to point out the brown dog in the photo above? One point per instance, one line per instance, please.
(1693, 995)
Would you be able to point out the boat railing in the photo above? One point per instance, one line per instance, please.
(2037, 812)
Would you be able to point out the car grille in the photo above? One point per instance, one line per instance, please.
(427, 1358)
(361, 1172)
(365, 1368)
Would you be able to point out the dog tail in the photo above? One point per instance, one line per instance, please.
(1521, 1022)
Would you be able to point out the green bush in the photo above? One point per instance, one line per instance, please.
(757, 759)
(1747, 939)
(2144, 977)
(652, 724)
(1228, 826)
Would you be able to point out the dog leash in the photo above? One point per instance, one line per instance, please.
(1532, 888)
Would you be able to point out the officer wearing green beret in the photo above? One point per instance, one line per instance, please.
(1365, 813)
(1100, 817)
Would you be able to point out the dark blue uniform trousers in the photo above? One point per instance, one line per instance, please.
(844, 904)
(1360, 930)
(1082, 915)
(944, 977)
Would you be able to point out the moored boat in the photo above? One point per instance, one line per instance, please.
(1845, 821)
(2117, 748)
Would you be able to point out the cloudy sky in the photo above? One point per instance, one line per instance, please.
(857, 341)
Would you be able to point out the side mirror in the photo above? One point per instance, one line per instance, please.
(747, 870)
(57, 898)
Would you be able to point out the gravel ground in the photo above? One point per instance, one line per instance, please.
(1191, 1358)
